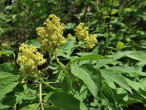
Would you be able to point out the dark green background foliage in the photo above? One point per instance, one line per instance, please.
(111, 76)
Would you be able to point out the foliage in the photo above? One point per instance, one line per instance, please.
(111, 75)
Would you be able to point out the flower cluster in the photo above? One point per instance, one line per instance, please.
(69, 36)
(30, 58)
(81, 33)
(51, 36)
(91, 43)
(4, 45)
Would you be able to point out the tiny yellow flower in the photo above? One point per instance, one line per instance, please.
(51, 35)
(30, 58)
(81, 32)
(91, 42)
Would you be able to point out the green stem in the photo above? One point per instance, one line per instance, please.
(81, 46)
(60, 64)
(49, 86)
(41, 96)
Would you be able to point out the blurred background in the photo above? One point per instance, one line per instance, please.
(120, 25)
(112, 20)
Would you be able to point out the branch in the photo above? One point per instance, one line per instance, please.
(37, 82)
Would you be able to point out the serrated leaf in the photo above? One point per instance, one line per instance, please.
(66, 102)
(34, 43)
(138, 86)
(7, 84)
(63, 55)
(66, 84)
(9, 67)
(108, 93)
(103, 62)
(31, 107)
(5, 74)
(82, 94)
(83, 53)
(18, 95)
(138, 55)
(68, 46)
(119, 55)
(127, 69)
(88, 57)
(94, 74)
(116, 77)
(4, 107)
(85, 77)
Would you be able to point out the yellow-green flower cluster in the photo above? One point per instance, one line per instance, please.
(51, 36)
(81, 32)
(70, 36)
(5, 44)
(92, 40)
(30, 58)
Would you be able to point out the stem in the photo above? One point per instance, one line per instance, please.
(80, 46)
(50, 87)
(45, 83)
(60, 64)
(36, 82)
(41, 96)
(97, 3)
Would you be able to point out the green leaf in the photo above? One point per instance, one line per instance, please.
(127, 69)
(86, 78)
(94, 74)
(34, 43)
(120, 45)
(51, 108)
(82, 93)
(68, 46)
(8, 79)
(7, 52)
(9, 67)
(5, 74)
(10, 99)
(70, 25)
(103, 62)
(31, 107)
(66, 102)
(66, 84)
(7, 84)
(83, 53)
(116, 77)
(138, 55)
(108, 93)
(62, 54)
(88, 57)
(4, 107)
(119, 55)
(138, 86)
